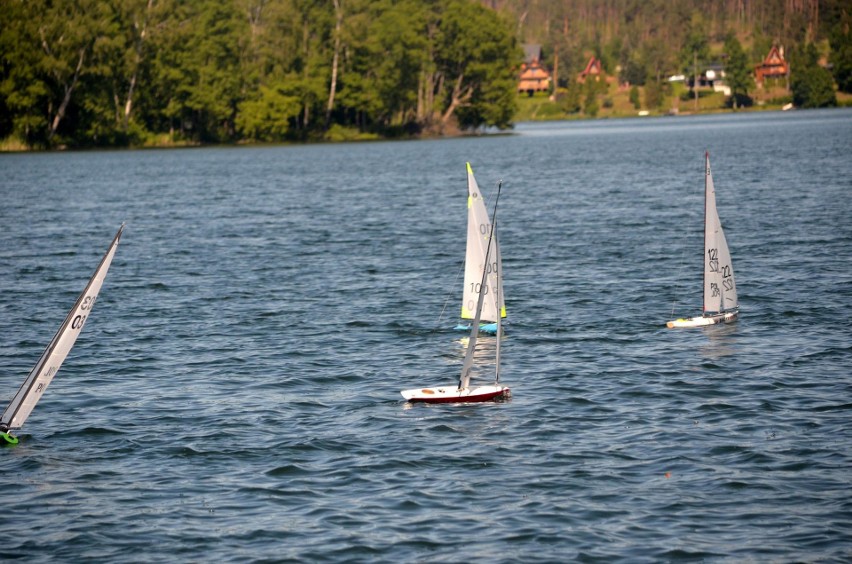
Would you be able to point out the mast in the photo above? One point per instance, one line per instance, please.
(464, 379)
(706, 241)
(498, 287)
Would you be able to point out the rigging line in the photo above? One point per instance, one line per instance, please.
(678, 276)
(449, 296)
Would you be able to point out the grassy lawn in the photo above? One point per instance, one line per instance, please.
(615, 103)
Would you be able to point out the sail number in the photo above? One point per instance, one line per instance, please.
(476, 286)
(88, 303)
(713, 260)
(714, 289)
(80, 319)
(727, 278)
(727, 273)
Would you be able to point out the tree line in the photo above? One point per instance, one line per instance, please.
(143, 72)
(129, 72)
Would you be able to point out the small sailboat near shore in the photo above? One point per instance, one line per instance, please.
(720, 289)
(479, 245)
(463, 392)
(51, 359)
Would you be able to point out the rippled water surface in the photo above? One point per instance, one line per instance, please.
(235, 395)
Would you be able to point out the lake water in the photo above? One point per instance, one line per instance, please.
(235, 394)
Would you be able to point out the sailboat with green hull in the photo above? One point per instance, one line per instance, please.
(35, 384)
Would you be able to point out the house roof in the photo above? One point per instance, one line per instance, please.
(775, 57)
(592, 67)
(532, 52)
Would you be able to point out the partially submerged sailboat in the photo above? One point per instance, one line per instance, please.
(479, 245)
(51, 359)
(720, 290)
(463, 392)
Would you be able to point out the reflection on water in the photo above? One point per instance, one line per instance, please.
(721, 341)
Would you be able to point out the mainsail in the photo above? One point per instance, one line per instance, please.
(478, 237)
(51, 359)
(720, 290)
(489, 277)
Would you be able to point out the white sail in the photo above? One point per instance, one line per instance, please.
(489, 278)
(51, 359)
(478, 231)
(720, 290)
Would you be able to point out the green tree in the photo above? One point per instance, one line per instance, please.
(841, 55)
(653, 94)
(48, 53)
(634, 97)
(812, 85)
(196, 79)
(387, 46)
(695, 52)
(738, 72)
(570, 103)
(24, 90)
(476, 56)
(590, 104)
(270, 115)
(696, 46)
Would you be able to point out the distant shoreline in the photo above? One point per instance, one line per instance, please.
(12, 146)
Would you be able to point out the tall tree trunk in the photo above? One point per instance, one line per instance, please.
(695, 77)
(338, 14)
(60, 113)
(128, 106)
(555, 75)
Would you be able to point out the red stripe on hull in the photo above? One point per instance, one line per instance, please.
(463, 399)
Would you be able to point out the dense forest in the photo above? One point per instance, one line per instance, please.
(82, 73)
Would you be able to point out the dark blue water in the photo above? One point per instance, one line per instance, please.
(235, 395)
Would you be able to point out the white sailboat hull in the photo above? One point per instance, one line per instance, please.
(703, 320)
(452, 394)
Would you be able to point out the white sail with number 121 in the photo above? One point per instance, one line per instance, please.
(720, 289)
(51, 359)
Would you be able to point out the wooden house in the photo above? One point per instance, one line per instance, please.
(593, 70)
(534, 77)
(773, 66)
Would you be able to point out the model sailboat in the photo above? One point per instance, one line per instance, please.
(720, 290)
(463, 392)
(478, 246)
(51, 359)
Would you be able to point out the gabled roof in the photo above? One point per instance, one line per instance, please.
(775, 57)
(592, 67)
(532, 53)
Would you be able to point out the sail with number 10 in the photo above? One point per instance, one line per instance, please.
(478, 233)
(51, 359)
(720, 288)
